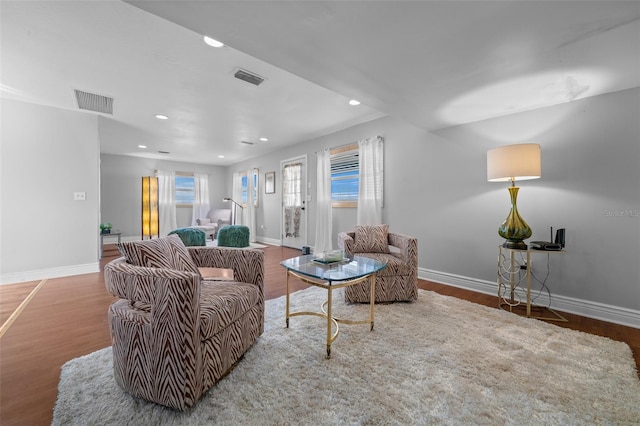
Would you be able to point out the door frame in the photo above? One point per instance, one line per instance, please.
(304, 196)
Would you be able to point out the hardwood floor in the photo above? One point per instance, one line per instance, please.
(67, 318)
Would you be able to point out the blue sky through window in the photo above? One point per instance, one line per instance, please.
(244, 183)
(185, 188)
(344, 186)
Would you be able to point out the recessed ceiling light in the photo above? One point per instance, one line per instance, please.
(354, 102)
(264, 139)
(220, 156)
(142, 146)
(161, 117)
(212, 42)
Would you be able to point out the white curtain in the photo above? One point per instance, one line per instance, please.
(370, 195)
(167, 201)
(249, 218)
(201, 206)
(324, 222)
(236, 194)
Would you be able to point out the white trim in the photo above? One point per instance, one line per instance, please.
(124, 239)
(585, 308)
(270, 241)
(41, 274)
(305, 192)
(263, 240)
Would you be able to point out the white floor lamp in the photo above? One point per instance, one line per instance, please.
(235, 206)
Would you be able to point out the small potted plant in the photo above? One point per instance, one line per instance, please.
(105, 228)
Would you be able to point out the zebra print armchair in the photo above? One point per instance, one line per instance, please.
(398, 282)
(175, 334)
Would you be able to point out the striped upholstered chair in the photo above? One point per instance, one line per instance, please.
(175, 334)
(398, 282)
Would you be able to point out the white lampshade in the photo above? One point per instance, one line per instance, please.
(514, 162)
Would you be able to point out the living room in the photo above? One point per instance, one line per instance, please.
(435, 181)
(588, 186)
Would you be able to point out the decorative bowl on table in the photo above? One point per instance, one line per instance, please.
(331, 256)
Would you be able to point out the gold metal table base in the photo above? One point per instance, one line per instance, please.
(511, 286)
(325, 308)
(513, 308)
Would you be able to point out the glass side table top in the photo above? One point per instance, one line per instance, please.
(344, 270)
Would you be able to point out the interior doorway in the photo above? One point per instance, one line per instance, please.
(294, 195)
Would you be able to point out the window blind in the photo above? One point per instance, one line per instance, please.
(345, 176)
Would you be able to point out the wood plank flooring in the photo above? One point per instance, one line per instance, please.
(67, 318)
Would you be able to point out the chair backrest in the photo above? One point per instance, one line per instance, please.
(220, 214)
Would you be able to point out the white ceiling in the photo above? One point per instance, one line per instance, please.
(432, 63)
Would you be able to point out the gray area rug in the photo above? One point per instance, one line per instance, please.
(439, 360)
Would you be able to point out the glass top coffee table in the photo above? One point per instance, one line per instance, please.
(330, 276)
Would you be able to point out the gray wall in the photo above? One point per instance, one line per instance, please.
(47, 155)
(121, 189)
(590, 185)
(436, 189)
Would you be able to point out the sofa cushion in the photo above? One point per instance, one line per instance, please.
(203, 221)
(371, 239)
(167, 252)
(395, 265)
(209, 229)
(222, 303)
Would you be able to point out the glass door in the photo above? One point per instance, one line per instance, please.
(294, 213)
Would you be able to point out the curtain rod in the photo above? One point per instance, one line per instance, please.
(343, 148)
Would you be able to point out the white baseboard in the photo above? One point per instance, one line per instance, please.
(262, 240)
(585, 308)
(270, 241)
(41, 274)
(600, 311)
(110, 241)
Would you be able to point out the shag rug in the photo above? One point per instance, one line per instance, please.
(439, 360)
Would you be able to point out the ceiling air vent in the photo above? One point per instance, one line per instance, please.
(94, 102)
(247, 142)
(247, 76)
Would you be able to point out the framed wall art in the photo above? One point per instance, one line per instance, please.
(270, 183)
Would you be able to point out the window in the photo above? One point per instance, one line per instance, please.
(185, 189)
(245, 187)
(345, 176)
(244, 184)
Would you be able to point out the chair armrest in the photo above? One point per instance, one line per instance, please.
(156, 326)
(247, 264)
(170, 299)
(143, 284)
(408, 248)
(346, 242)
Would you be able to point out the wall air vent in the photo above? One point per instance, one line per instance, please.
(247, 142)
(94, 102)
(247, 76)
